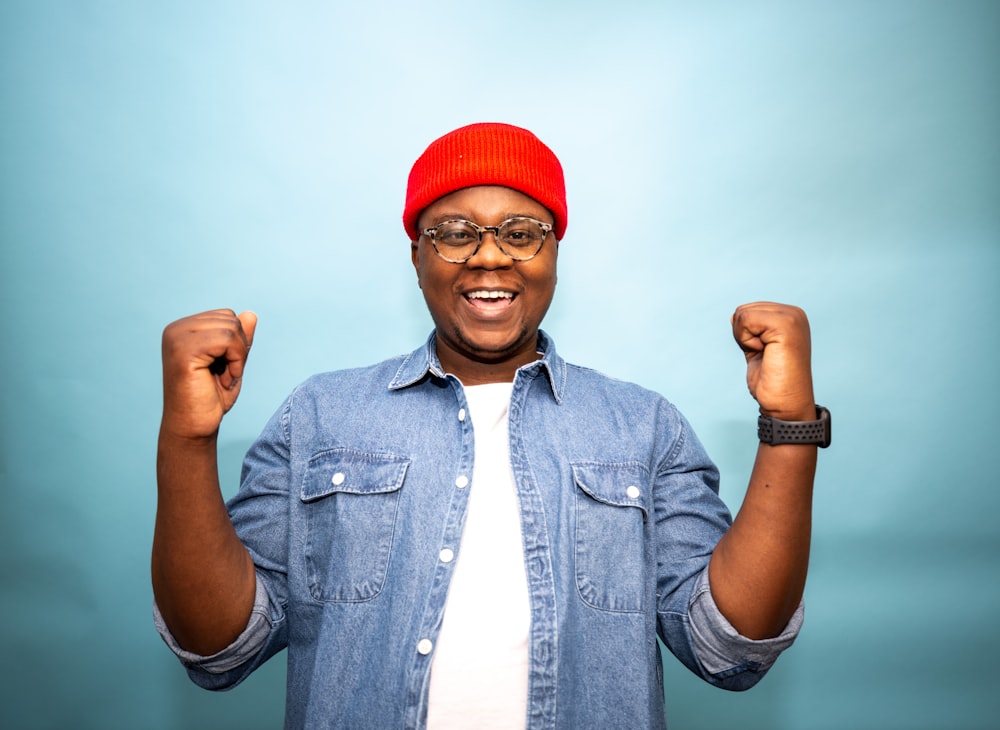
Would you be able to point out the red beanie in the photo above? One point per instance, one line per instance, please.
(486, 154)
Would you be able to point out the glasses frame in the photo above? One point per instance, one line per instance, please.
(495, 230)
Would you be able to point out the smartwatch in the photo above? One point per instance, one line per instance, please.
(814, 433)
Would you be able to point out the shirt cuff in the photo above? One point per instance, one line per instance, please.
(720, 648)
(246, 645)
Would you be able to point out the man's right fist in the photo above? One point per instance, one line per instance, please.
(204, 356)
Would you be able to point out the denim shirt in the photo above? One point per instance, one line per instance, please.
(360, 481)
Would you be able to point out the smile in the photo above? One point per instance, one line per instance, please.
(490, 302)
(488, 294)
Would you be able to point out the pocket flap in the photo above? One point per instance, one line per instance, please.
(617, 484)
(352, 472)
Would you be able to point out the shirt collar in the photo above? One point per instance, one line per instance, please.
(424, 360)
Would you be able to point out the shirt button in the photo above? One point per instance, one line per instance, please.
(447, 555)
(425, 646)
(632, 492)
(338, 478)
(461, 414)
(462, 482)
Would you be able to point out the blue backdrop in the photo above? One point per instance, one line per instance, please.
(157, 159)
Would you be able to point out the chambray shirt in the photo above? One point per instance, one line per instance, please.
(359, 484)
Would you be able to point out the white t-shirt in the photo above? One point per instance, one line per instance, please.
(479, 675)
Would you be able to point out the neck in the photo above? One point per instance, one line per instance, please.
(482, 371)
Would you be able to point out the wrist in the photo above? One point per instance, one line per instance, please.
(814, 430)
(179, 438)
(806, 413)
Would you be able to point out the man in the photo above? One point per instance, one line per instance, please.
(479, 534)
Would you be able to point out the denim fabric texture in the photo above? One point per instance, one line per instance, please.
(361, 479)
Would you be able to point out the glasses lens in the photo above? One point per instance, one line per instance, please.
(456, 240)
(521, 237)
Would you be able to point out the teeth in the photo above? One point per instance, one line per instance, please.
(489, 295)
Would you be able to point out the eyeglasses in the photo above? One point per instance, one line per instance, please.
(457, 241)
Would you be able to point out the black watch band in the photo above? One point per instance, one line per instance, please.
(775, 431)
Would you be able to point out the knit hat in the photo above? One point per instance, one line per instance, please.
(486, 154)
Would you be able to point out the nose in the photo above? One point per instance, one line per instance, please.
(489, 255)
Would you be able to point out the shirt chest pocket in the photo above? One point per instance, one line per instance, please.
(611, 512)
(350, 500)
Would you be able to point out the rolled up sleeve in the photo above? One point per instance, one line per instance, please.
(243, 650)
(733, 660)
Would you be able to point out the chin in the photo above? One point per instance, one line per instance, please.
(489, 349)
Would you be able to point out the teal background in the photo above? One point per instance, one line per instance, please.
(157, 159)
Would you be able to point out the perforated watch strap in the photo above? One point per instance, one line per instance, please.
(775, 431)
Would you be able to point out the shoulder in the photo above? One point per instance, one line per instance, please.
(351, 383)
(587, 384)
(619, 420)
(594, 397)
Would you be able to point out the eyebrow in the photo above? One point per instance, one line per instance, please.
(438, 219)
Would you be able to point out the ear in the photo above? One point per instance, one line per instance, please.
(415, 258)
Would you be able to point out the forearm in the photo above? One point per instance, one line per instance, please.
(203, 576)
(758, 569)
